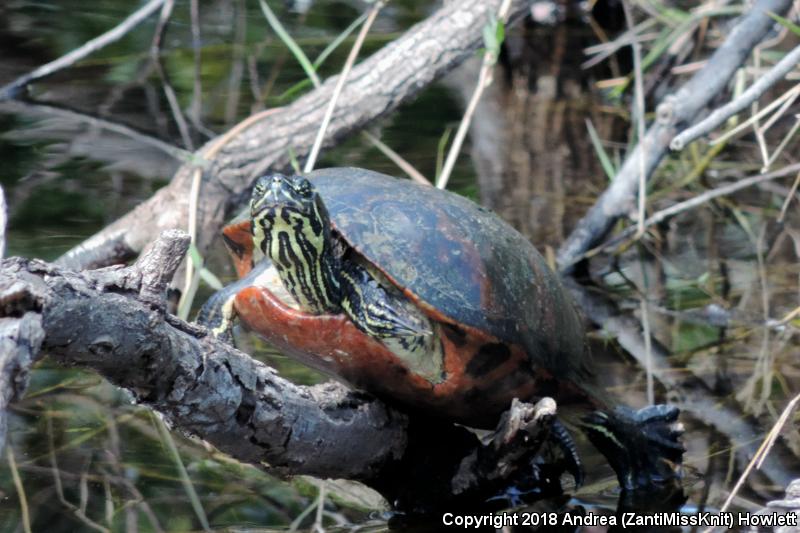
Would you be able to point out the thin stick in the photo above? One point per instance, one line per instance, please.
(640, 127)
(100, 123)
(186, 481)
(114, 34)
(187, 295)
(484, 80)
(197, 87)
(80, 515)
(23, 501)
(237, 61)
(698, 200)
(790, 94)
(351, 59)
(648, 347)
(161, 28)
(175, 107)
(786, 203)
(721, 114)
(320, 509)
(763, 450)
(3, 222)
(779, 150)
(397, 159)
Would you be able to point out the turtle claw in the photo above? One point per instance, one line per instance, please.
(643, 446)
(567, 445)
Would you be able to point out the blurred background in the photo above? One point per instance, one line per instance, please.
(93, 141)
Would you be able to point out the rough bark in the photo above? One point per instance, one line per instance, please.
(375, 87)
(113, 321)
(21, 338)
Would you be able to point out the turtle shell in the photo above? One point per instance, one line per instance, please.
(460, 263)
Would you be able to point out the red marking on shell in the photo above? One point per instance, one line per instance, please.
(332, 344)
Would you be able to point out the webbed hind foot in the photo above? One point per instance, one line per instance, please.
(643, 447)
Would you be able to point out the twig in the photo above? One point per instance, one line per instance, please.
(723, 113)
(295, 525)
(639, 114)
(348, 66)
(791, 95)
(23, 501)
(674, 111)
(80, 515)
(197, 88)
(175, 107)
(3, 222)
(779, 150)
(397, 159)
(11, 90)
(100, 123)
(786, 202)
(484, 80)
(318, 528)
(186, 481)
(636, 47)
(237, 63)
(187, 295)
(763, 450)
(169, 92)
(161, 27)
(701, 199)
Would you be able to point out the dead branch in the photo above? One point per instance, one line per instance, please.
(12, 89)
(696, 201)
(375, 87)
(209, 389)
(674, 113)
(753, 93)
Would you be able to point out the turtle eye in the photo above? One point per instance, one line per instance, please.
(303, 187)
(260, 187)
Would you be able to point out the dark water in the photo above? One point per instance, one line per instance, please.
(65, 176)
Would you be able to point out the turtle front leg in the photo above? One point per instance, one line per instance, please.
(643, 446)
(388, 316)
(565, 442)
(218, 314)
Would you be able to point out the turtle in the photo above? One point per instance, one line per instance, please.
(427, 300)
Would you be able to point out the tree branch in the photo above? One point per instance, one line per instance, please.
(675, 112)
(753, 93)
(207, 388)
(375, 87)
(114, 34)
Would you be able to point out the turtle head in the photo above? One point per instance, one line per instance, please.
(291, 226)
(276, 191)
